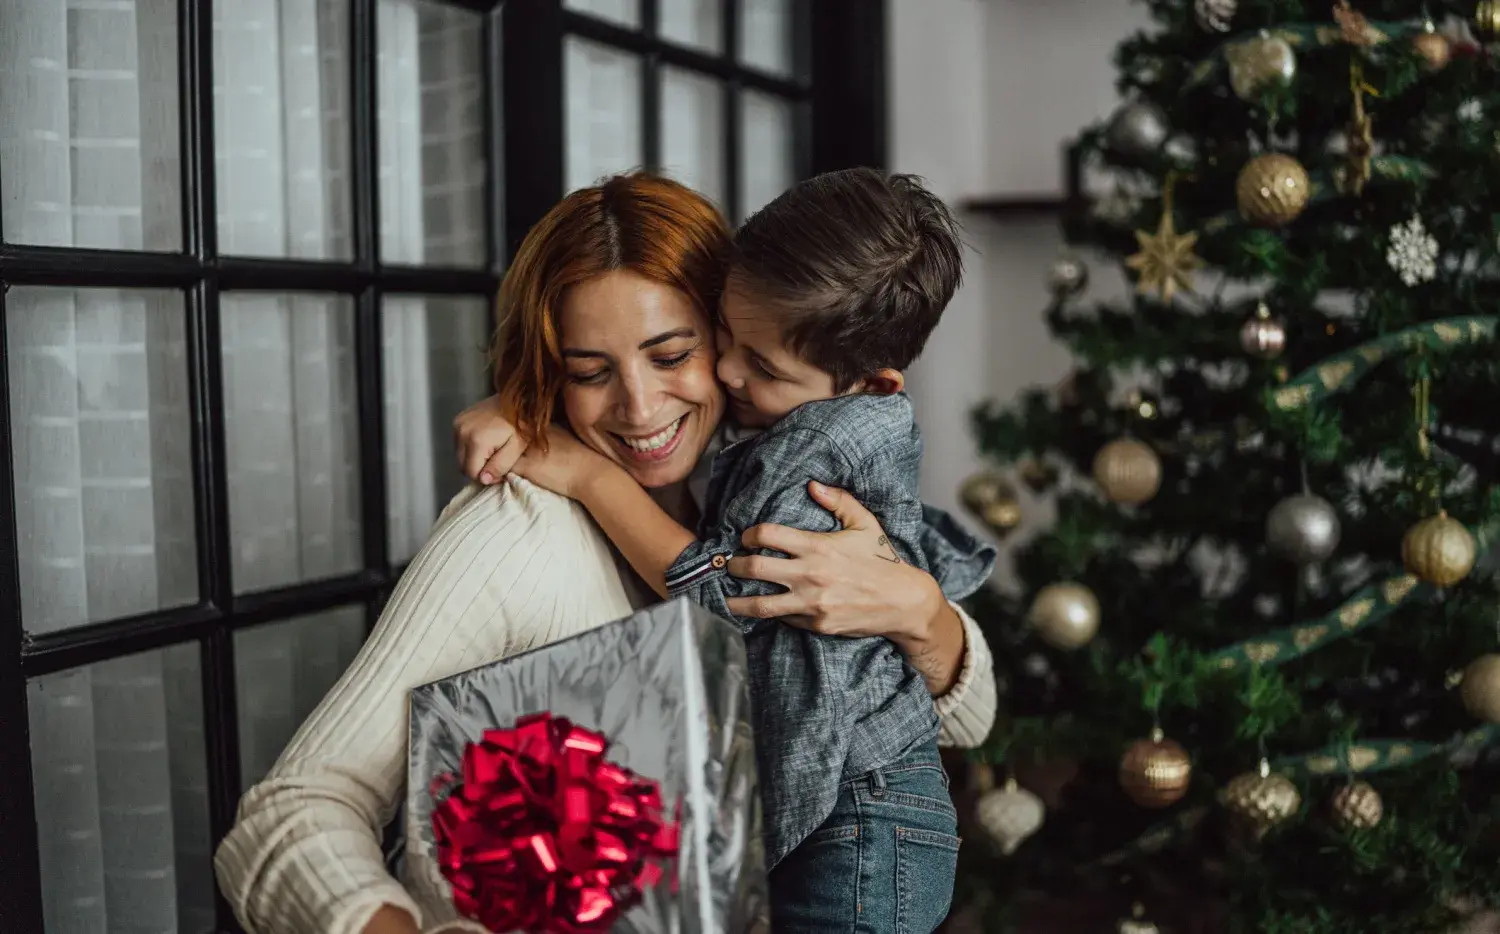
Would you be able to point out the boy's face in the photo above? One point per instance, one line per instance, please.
(764, 379)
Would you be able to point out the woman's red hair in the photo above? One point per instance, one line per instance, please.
(651, 226)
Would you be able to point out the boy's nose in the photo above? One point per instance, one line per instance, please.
(729, 373)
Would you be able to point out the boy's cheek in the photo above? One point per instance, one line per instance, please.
(749, 414)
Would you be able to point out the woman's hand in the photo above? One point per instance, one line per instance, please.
(391, 920)
(488, 445)
(852, 583)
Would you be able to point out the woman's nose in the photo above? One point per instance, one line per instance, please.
(640, 400)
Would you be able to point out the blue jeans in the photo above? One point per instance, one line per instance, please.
(883, 862)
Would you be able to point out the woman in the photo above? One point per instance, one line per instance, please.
(603, 321)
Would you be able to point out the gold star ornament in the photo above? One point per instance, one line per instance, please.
(1166, 261)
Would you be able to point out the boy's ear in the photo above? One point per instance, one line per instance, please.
(885, 382)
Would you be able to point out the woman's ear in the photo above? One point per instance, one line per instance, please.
(884, 382)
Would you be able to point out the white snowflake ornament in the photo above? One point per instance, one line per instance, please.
(1413, 253)
(1137, 924)
(1471, 110)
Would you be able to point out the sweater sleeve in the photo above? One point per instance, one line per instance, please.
(968, 709)
(506, 568)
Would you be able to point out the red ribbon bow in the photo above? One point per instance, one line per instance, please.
(543, 835)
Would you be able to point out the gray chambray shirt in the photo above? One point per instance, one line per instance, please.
(826, 708)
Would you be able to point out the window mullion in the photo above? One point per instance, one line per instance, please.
(363, 119)
(532, 85)
(20, 866)
(651, 89)
(731, 26)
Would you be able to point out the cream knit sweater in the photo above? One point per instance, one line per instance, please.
(507, 568)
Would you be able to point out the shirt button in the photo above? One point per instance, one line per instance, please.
(719, 562)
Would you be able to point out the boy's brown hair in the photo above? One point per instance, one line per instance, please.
(862, 262)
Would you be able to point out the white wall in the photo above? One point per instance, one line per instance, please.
(983, 95)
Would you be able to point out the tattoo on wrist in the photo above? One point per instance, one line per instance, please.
(885, 543)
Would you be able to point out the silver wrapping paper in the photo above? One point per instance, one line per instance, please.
(668, 687)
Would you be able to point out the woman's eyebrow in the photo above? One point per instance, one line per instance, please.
(666, 336)
(646, 344)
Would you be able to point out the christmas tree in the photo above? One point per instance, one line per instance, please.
(1257, 649)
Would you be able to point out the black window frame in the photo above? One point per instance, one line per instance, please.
(840, 99)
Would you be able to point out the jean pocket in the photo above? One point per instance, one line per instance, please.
(814, 888)
(926, 863)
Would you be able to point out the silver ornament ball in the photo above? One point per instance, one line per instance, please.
(1138, 129)
(1263, 335)
(1068, 275)
(1215, 15)
(1303, 528)
(1182, 150)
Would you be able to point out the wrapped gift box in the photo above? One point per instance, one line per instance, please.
(667, 689)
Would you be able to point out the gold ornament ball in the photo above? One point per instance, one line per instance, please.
(1258, 64)
(1065, 615)
(1009, 815)
(1357, 806)
(1435, 49)
(1155, 772)
(1439, 550)
(993, 500)
(1263, 335)
(1480, 688)
(1128, 471)
(1487, 20)
(1261, 799)
(1272, 189)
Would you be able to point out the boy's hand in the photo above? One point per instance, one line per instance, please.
(566, 468)
(488, 445)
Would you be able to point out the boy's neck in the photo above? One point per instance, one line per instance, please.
(677, 502)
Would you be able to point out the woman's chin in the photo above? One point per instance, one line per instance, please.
(653, 475)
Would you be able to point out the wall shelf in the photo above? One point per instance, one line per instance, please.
(1019, 207)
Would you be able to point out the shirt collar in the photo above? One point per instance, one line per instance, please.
(727, 434)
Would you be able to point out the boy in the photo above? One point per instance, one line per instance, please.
(833, 290)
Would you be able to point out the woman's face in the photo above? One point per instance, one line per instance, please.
(640, 387)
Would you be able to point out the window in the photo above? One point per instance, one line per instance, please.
(249, 251)
(714, 94)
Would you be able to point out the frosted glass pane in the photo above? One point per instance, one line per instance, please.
(89, 116)
(435, 365)
(603, 128)
(281, 672)
(101, 432)
(692, 131)
(291, 435)
(766, 35)
(281, 128)
(698, 24)
(121, 788)
(767, 153)
(619, 12)
(431, 122)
